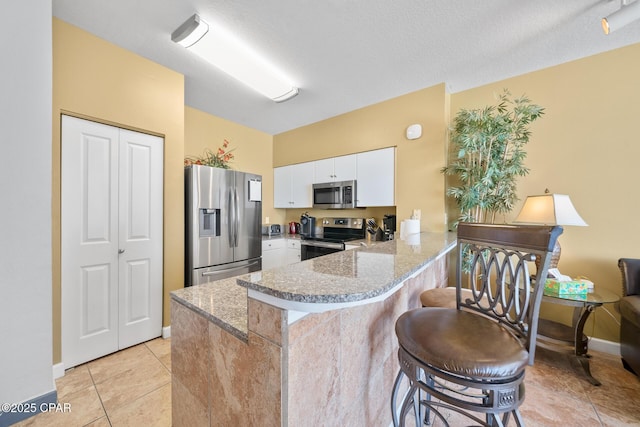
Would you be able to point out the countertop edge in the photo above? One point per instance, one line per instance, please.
(243, 335)
(324, 302)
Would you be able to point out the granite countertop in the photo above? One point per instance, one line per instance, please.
(332, 281)
(349, 276)
(281, 236)
(223, 302)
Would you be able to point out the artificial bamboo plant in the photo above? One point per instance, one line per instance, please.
(488, 148)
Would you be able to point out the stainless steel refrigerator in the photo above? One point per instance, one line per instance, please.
(223, 223)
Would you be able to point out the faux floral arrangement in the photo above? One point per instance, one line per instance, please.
(218, 159)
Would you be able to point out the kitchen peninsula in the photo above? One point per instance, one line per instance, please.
(311, 343)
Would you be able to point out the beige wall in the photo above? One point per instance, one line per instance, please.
(90, 80)
(586, 146)
(419, 183)
(583, 146)
(252, 149)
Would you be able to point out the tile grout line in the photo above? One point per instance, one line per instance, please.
(138, 397)
(156, 356)
(106, 414)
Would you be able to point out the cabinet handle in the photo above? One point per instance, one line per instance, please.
(120, 251)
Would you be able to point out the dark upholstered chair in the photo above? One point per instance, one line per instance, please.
(470, 360)
(630, 314)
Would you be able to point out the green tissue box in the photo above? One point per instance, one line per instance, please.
(554, 286)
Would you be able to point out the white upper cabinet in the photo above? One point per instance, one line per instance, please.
(292, 186)
(341, 168)
(375, 172)
(282, 187)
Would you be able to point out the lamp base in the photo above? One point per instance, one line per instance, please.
(555, 257)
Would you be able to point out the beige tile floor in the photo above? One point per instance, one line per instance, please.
(133, 388)
(129, 388)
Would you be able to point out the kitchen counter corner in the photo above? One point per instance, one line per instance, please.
(347, 278)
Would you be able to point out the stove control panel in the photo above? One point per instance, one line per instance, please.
(356, 223)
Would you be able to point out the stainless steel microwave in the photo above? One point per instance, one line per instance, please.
(335, 195)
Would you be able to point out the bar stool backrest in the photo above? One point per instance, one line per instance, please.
(493, 262)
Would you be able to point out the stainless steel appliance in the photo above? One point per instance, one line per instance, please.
(271, 229)
(223, 223)
(335, 233)
(335, 195)
(389, 227)
(307, 225)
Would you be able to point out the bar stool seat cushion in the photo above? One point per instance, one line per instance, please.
(442, 297)
(462, 343)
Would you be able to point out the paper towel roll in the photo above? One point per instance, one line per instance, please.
(410, 226)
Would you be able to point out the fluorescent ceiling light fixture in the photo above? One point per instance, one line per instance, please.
(628, 13)
(229, 54)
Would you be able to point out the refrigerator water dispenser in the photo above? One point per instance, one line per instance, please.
(209, 222)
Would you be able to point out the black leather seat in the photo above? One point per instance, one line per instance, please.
(630, 314)
(471, 359)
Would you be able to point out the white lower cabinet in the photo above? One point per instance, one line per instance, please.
(273, 253)
(279, 252)
(293, 251)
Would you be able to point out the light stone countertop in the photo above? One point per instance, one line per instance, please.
(281, 236)
(348, 277)
(223, 302)
(341, 279)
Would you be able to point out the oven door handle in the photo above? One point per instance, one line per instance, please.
(338, 246)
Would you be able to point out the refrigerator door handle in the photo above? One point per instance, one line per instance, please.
(232, 219)
(237, 223)
(217, 272)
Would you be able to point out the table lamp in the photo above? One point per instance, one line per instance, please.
(549, 209)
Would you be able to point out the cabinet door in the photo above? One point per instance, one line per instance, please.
(301, 185)
(341, 168)
(273, 253)
(345, 168)
(293, 252)
(282, 187)
(324, 170)
(375, 175)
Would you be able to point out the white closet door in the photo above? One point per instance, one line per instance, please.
(89, 240)
(111, 239)
(140, 239)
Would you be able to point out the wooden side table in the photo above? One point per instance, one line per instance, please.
(571, 339)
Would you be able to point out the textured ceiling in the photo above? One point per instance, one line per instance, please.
(347, 54)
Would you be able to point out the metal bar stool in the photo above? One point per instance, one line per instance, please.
(469, 362)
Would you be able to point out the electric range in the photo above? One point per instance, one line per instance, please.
(335, 233)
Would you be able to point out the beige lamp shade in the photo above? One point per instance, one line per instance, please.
(549, 209)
